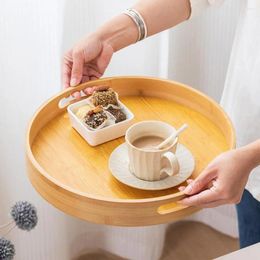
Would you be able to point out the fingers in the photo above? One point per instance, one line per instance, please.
(203, 198)
(213, 204)
(85, 79)
(76, 95)
(189, 181)
(91, 71)
(66, 70)
(202, 181)
(90, 91)
(77, 68)
(80, 66)
(182, 188)
(100, 88)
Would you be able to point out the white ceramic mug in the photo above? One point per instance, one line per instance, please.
(151, 165)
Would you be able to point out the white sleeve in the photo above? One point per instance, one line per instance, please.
(197, 6)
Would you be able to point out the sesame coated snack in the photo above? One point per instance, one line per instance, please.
(104, 98)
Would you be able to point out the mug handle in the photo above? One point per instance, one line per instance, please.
(173, 162)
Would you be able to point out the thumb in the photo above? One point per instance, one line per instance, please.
(201, 181)
(77, 68)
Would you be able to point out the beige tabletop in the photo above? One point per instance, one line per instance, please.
(251, 252)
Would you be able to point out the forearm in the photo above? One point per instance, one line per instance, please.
(252, 152)
(159, 15)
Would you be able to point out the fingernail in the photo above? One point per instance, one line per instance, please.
(188, 189)
(73, 82)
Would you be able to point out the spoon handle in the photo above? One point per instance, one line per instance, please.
(172, 136)
(181, 129)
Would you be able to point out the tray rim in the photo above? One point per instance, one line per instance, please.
(100, 198)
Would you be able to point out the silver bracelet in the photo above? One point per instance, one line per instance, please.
(139, 21)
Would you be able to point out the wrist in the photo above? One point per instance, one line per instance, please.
(119, 32)
(252, 153)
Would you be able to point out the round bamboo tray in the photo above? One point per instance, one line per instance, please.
(74, 177)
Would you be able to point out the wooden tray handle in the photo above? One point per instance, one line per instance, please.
(172, 206)
(67, 98)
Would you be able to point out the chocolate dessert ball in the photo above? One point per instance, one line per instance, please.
(95, 117)
(117, 113)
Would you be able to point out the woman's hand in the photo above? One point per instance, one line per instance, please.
(222, 182)
(86, 61)
(89, 58)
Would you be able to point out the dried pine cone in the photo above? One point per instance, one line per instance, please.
(7, 250)
(24, 215)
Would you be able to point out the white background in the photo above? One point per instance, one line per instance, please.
(33, 37)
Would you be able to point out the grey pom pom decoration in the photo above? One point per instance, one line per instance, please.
(24, 215)
(7, 250)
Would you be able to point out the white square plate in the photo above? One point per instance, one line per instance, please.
(102, 135)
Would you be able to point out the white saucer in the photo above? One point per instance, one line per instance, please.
(119, 166)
